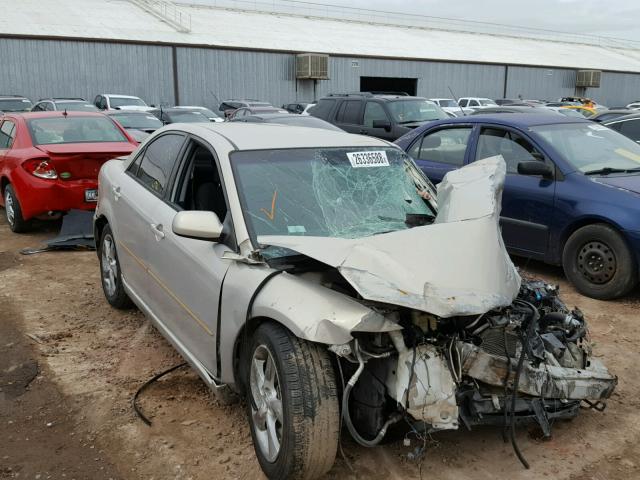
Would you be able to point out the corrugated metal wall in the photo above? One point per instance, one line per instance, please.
(205, 75)
(41, 68)
(45, 68)
(540, 83)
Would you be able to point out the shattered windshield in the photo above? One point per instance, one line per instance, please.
(329, 192)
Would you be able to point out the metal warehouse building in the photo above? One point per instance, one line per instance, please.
(201, 54)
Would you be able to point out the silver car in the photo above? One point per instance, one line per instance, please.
(314, 273)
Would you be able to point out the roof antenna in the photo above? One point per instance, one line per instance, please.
(456, 99)
(64, 114)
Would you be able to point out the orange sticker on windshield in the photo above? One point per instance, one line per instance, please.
(627, 154)
(271, 215)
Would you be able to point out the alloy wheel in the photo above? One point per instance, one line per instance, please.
(109, 265)
(266, 403)
(9, 208)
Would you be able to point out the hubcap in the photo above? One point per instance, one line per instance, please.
(9, 208)
(109, 265)
(597, 262)
(266, 403)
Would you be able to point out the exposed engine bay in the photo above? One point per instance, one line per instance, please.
(528, 362)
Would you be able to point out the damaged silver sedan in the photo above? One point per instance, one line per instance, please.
(320, 275)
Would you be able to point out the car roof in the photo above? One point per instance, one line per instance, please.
(49, 114)
(520, 120)
(118, 95)
(631, 116)
(126, 112)
(12, 97)
(259, 136)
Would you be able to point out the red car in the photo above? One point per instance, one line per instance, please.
(49, 162)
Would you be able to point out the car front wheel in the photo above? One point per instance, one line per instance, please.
(13, 211)
(110, 273)
(292, 404)
(597, 260)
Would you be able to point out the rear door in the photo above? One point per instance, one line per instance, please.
(135, 195)
(442, 150)
(348, 116)
(527, 201)
(191, 271)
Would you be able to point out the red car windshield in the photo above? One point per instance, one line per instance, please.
(56, 130)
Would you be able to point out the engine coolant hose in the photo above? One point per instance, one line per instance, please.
(345, 408)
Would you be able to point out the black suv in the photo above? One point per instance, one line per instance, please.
(387, 116)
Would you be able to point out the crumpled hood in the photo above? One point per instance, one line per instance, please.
(630, 183)
(456, 266)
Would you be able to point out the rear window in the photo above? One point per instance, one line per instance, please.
(76, 107)
(126, 102)
(47, 131)
(323, 108)
(14, 105)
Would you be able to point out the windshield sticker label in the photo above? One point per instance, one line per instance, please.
(597, 127)
(368, 159)
(296, 229)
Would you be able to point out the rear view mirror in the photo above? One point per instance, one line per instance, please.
(197, 224)
(535, 168)
(382, 124)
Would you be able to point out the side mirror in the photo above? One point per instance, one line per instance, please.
(197, 224)
(386, 124)
(535, 168)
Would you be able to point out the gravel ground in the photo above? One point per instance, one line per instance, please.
(69, 365)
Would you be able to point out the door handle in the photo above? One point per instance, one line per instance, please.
(158, 231)
(116, 192)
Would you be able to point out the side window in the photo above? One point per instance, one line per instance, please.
(7, 134)
(513, 147)
(199, 186)
(462, 103)
(443, 146)
(158, 160)
(631, 129)
(374, 111)
(49, 107)
(352, 112)
(96, 101)
(103, 103)
(473, 103)
(37, 107)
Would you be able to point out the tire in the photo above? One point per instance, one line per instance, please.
(597, 260)
(309, 419)
(110, 272)
(13, 211)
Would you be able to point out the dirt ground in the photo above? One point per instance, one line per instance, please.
(70, 364)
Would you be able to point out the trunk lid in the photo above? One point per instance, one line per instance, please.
(75, 161)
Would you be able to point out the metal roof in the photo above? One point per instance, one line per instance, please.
(136, 20)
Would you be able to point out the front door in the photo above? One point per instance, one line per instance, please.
(190, 272)
(527, 201)
(134, 198)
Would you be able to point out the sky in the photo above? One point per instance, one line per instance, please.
(612, 18)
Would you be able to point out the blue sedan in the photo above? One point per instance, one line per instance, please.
(572, 193)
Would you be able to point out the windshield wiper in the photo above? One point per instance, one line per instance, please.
(607, 171)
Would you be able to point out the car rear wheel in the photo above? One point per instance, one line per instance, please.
(597, 260)
(292, 404)
(110, 273)
(13, 211)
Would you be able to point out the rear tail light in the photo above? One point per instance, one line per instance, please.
(41, 168)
